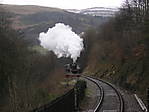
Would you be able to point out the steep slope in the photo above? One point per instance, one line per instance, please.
(119, 52)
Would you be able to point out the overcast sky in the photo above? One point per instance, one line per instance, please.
(67, 4)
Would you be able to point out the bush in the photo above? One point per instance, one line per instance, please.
(81, 86)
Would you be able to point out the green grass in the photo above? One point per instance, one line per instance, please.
(39, 49)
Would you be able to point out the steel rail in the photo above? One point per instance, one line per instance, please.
(121, 108)
(101, 92)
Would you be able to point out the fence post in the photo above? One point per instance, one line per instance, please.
(148, 99)
(76, 95)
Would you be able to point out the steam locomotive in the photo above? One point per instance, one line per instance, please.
(72, 68)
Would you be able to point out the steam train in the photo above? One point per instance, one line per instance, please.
(72, 68)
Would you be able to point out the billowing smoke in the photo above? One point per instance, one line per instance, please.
(62, 41)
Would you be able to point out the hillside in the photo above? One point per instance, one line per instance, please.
(119, 51)
(35, 19)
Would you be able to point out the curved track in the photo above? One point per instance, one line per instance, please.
(101, 93)
(110, 98)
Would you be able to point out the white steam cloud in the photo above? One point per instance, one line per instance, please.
(62, 41)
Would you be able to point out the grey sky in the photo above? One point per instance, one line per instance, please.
(67, 4)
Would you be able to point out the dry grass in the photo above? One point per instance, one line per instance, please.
(27, 9)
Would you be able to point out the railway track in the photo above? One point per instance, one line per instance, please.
(110, 99)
